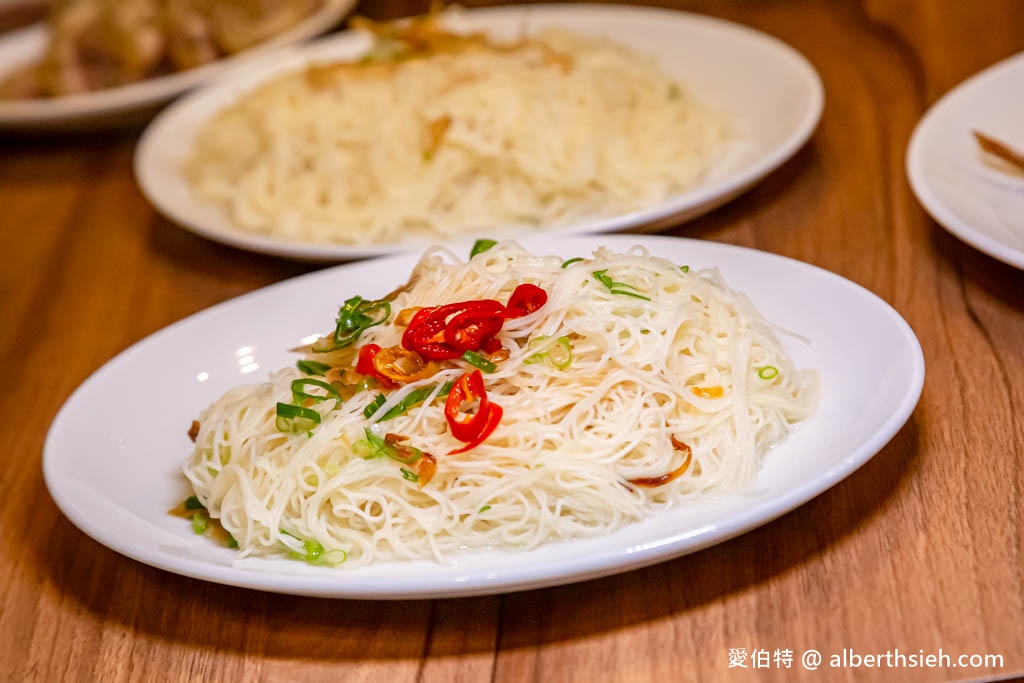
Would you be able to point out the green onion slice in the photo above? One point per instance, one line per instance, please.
(293, 418)
(632, 294)
(685, 269)
(374, 406)
(603, 278)
(199, 523)
(378, 447)
(313, 552)
(566, 264)
(409, 476)
(480, 246)
(536, 343)
(355, 317)
(299, 394)
(414, 397)
(617, 287)
(768, 372)
(478, 361)
(414, 454)
(411, 399)
(559, 355)
(312, 367)
(192, 503)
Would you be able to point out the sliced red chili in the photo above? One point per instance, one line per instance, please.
(525, 299)
(494, 413)
(444, 332)
(469, 329)
(366, 355)
(467, 388)
(482, 423)
(425, 336)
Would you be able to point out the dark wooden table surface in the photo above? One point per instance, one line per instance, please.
(920, 550)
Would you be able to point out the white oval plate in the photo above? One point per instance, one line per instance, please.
(774, 94)
(978, 204)
(129, 103)
(113, 456)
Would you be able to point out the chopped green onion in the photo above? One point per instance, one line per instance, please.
(478, 361)
(313, 552)
(312, 367)
(412, 398)
(364, 384)
(535, 343)
(480, 246)
(409, 476)
(632, 294)
(416, 455)
(232, 543)
(336, 556)
(199, 523)
(603, 277)
(571, 261)
(685, 269)
(364, 450)
(616, 287)
(299, 394)
(485, 508)
(415, 396)
(192, 503)
(293, 418)
(768, 372)
(374, 405)
(355, 316)
(558, 356)
(377, 446)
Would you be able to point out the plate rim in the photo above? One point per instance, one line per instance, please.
(684, 206)
(928, 197)
(47, 113)
(596, 565)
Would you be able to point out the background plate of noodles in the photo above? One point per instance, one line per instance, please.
(102, 63)
(570, 119)
(116, 479)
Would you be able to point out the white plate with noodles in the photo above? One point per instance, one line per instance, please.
(561, 118)
(132, 102)
(600, 462)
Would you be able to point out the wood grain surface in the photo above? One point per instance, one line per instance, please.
(921, 549)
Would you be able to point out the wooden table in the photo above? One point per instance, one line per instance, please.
(921, 549)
